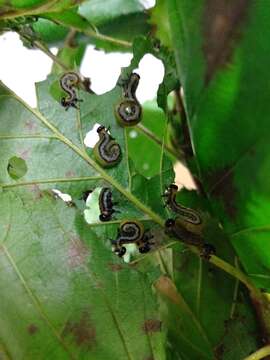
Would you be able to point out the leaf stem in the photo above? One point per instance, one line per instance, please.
(47, 51)
(235, 272)
(259, 354)
(49, 181)
(109, 39)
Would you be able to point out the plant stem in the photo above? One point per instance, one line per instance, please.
(47, 51)
(235, 272)
(259, 354)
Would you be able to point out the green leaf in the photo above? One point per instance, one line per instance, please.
(49, 32)
(71, 292)
(110, 34)
(139, 146)
(99, 13)
(159, 20)
(22, 8)
(228, 124)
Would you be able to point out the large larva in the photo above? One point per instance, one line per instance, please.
(106, 151)
(128, 111)
(189, 215)
(68, 82)
(174, 228)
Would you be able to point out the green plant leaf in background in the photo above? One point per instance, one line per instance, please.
(228, 127)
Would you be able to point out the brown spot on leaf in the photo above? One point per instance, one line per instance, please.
(219, 351)
(25, 154)
(223, 189)
(30, 125)
(152, 325)
(83, 331)
(32, 329)
(115, 267)
(70, 174)
(35, 189)
(222, 24)
(77, 253)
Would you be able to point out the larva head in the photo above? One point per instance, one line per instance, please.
(101, 129)
(207, 251)
(63, 102)
(144, 249)
(134, 78)
(106, 216)
(85, 194)
(173, 188)
(120, 251)
(170, 223)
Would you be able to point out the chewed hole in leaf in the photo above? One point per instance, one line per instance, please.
(16, 167)
(133, 134)
(64, 197)
(92, 212)
(148, 3)
(91, 138)
(183, 177)
(153, 77)
(103, 68)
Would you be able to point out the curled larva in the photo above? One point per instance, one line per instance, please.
(128, 111)
(132, 232)
(68, 82)
(106, 151)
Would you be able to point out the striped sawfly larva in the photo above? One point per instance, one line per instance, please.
(106, 151)
(68, 82)
(132, 232)
(128, 111)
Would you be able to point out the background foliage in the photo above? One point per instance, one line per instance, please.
(64, 294)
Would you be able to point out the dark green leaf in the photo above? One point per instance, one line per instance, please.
(231, 148)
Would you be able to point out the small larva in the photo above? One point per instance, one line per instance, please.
(68, 82)
(128, 111)
(189, 215)
(106, 151)
(105, 204)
